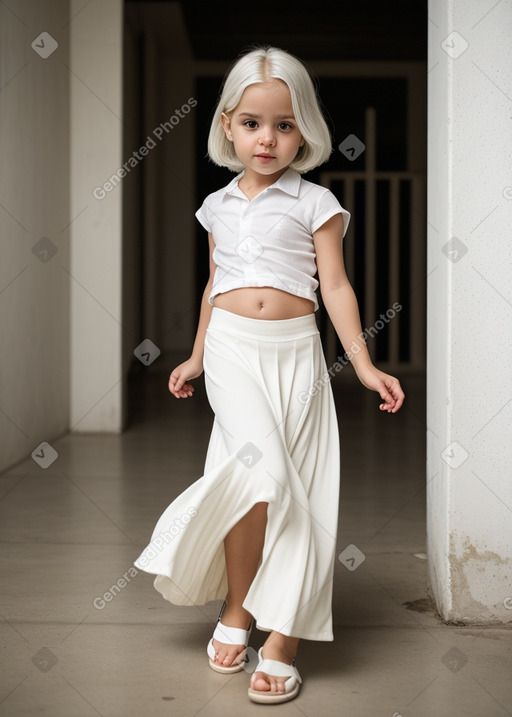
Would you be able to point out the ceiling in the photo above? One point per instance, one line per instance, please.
(343, 30)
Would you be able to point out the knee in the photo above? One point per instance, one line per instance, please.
(260, 509)
(258, 513)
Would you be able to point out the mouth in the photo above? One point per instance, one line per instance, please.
(264, 156)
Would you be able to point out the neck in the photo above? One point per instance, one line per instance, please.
(255, 180)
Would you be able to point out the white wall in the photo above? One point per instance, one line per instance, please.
(96, 61)
(469, 340)
(34, 190)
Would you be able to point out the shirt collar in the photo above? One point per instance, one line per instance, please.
(288, 182)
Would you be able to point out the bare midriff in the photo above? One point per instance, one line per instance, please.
(263, 302)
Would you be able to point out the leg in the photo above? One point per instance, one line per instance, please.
(243, 546)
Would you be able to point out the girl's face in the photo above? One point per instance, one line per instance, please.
(263, 128)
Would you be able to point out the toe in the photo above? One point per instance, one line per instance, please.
(228, 656)
(261, 682)
(264, 683)
(231, 657)
(220, 652)
(279, 685)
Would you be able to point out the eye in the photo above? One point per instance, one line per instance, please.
(250, 124)
(285, 126)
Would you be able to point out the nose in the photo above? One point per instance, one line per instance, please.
(266, 138)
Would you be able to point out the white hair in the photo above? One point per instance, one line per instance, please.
(260, 65)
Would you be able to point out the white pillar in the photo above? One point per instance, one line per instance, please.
(34, 216)
(96, 223)
(469, 336)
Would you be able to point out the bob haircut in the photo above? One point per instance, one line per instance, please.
(260, 65)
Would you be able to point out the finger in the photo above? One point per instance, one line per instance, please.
(399, 396)
(394, 397)
(386, 407)
(174, 385)
(186, 390)
(398, 404)
(175, 391)
(386, 396)
(389, 401)
(180, 381)
(393, 405)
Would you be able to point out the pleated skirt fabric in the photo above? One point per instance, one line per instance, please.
(274, 439)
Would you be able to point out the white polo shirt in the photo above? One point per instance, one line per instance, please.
(268, 241)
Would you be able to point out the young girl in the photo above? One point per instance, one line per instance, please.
(258, 529)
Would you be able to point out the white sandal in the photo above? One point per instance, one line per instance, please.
(276, 669)
(230, 636)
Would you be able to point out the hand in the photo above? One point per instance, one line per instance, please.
(178, 380)
(388, 387)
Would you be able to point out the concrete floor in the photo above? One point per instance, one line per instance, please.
(71, 530)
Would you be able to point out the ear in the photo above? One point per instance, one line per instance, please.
(302, 142)
(226, 124)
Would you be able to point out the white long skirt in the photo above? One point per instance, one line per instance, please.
(274, 439)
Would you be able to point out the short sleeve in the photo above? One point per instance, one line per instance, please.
(202, 215)
(326, 207)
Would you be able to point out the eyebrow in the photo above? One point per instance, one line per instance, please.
(251, 114)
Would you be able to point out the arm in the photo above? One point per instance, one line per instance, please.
(341, 304)
(193, 367)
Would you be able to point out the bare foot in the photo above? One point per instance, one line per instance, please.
(277, 647)
(226, 653)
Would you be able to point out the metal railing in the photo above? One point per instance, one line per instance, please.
(390, 221)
